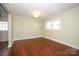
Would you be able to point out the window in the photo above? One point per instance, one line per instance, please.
(48, 25)
(53, 25)
(56, 25)
(3, 26)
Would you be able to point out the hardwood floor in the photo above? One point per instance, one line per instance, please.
(4, 52)
(3, 48)
(41, 47)
(3, 45)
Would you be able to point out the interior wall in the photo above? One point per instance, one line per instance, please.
(27, 27)
(69, 32)
(4, 36)
(10, 32)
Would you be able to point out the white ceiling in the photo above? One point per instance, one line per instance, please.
(46, 9)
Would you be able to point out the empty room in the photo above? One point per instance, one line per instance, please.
(39, 29)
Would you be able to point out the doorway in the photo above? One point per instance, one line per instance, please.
(3, 28)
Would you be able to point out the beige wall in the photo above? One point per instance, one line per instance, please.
(26, 27)
(10, 32)
(69, 32)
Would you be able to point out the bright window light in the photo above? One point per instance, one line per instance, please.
(54, 24)
(48, 25)
(3, 26)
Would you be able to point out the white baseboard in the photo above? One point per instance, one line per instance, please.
(9, 46)
(62, 42)
(27, 38)
(47, 38)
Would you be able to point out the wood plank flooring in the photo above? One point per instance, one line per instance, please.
(3, 45)
(4, 52)
(3, 48)
(41, 47)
